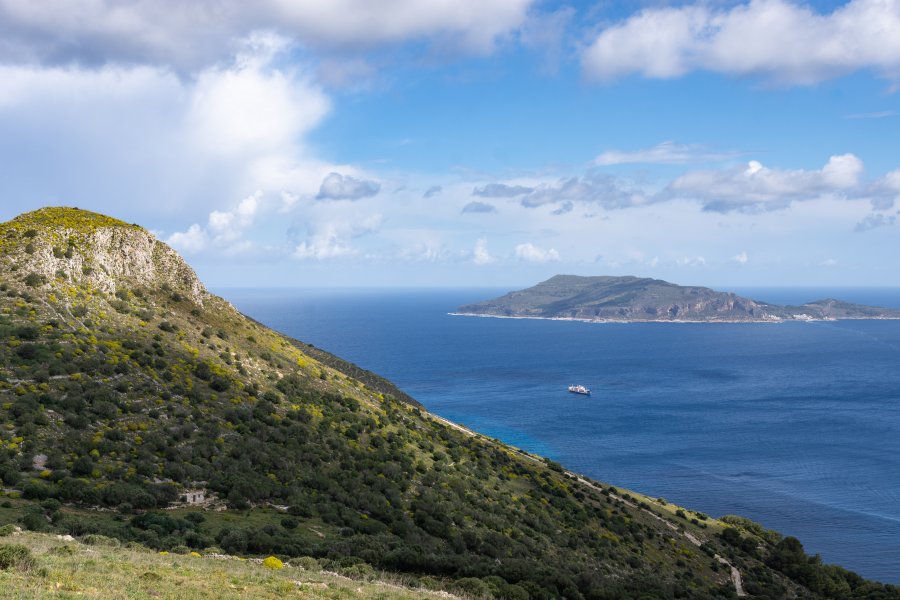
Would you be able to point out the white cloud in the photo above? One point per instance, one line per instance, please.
(756, 187)
(784, 41)
(194, 240)
(223, 228)
(345, 187)
(228, 225)
(327, 243)
(842, 172)
(334, 238)
(501, 190)
(531, 253)
(664, 153)
(874, 221)
(592, 187)
(433, 191)
(167, 144)
(248, 109)
(892, 181)
(479, 207)
(192, 34)
(480, 254)
(741, 258)
(691, 261)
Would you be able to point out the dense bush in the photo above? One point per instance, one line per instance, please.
(16, 557)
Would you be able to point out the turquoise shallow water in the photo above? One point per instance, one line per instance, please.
(795, 425)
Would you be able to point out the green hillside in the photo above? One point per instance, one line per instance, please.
(137, 406)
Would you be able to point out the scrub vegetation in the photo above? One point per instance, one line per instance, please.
(148, 412)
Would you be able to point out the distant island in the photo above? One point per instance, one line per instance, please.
(632, 299)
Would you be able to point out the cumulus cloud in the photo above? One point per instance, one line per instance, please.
(167, 31)
(501, 190)
(892, 180)
(194, 240)
(593, 187)
(166, 143)
(531, 253)
(564, 207)
(223, 228)
(333, 239)
(784, 41)
(345, 187)
(756, 187)
(875, 220)
(664, 153)
(691, 261)
(741, 258)
(480, 254)
(479, 207)
(228, 225)
(247, 108)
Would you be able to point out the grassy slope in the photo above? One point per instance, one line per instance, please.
(137, 395)
(70, 569)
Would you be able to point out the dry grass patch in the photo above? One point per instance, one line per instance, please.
(43, 566)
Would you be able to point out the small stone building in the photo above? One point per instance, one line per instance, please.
(194, 496)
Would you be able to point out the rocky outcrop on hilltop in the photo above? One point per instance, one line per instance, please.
(87, 249)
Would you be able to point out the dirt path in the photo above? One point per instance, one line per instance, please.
(735, 573)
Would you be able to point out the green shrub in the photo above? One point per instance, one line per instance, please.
(7, 529)
(474, 587)
(34, 280)
(33, 521)
(361, 572)
(308, 563)
(64, 550)
(16, 556)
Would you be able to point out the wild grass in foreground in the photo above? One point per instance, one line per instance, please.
(34, 565)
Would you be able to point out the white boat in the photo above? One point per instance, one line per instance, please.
(579, 389)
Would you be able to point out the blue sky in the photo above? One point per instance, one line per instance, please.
(467, 143)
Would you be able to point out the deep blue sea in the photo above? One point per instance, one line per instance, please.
(794, 425)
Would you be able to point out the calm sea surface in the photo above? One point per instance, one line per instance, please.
(795, 425)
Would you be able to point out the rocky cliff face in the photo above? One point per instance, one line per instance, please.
(67, 245)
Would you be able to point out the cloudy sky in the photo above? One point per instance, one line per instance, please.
(467, 142)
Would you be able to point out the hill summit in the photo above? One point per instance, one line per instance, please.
(136, 406)
(94, 250)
